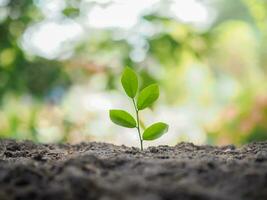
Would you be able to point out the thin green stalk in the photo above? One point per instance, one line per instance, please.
(138, 124)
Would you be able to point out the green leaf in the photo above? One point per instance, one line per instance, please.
(155, 131)
(147, 96)
(122, 118)
(129, 82)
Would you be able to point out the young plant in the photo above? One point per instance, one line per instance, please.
(146, 98)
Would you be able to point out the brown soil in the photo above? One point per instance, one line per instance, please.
(103, 171)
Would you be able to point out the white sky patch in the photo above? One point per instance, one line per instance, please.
(51, 39)
(50, 8)
(191, 11)
(119, 14)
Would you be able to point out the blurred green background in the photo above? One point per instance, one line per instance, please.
(61, 60)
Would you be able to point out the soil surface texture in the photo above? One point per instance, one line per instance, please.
(30, 171)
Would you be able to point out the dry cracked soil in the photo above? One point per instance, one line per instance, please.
(30, 171)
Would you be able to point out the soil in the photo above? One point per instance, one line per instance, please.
(30, 171)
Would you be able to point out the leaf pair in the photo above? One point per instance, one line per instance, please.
(122, 118)
(146, 97)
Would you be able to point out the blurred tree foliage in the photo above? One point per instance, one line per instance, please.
(232, 50)
(19, 73)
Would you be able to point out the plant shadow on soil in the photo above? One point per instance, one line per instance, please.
(30, 171)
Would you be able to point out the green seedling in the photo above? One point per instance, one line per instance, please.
(144, 99)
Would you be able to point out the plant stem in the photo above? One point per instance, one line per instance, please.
(138, 123)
